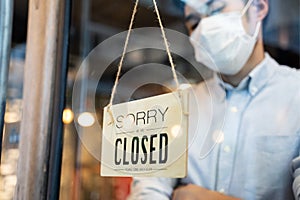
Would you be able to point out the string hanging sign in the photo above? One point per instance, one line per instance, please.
(146, 137)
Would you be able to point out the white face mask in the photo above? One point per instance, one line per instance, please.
(221, 42)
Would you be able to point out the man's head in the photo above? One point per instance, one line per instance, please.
(226, 32)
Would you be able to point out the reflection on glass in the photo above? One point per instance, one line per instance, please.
(68, 116)
(86, 119)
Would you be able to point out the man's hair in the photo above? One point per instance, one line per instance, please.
(179, 4)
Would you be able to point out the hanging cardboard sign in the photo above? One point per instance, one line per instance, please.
(146, 137)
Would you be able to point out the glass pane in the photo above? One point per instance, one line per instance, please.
(94, 22)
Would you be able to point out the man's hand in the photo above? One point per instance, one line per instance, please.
(193, 192)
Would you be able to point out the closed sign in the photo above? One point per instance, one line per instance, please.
(146, 137)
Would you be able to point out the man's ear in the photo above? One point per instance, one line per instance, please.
(262, 7)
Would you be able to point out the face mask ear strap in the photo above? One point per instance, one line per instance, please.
(247, 7)
(257, 29)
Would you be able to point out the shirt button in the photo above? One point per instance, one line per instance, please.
(234, 109)
(227, 149)
(222, 190)
(253, 90)
(218, 136)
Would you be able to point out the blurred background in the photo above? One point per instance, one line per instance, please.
(93, 21)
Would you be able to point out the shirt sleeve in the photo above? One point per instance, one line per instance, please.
(296, 175)
(152, 188)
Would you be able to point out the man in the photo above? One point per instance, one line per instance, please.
(245, 143)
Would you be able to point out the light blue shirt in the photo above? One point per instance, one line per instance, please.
(243, 141)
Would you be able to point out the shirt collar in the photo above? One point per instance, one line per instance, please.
(261, 74)
(243, 84)
(254, 82)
